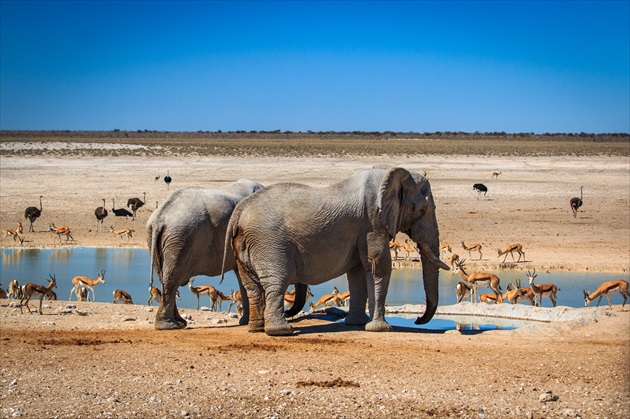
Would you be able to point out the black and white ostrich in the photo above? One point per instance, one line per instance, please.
(136, 203)
(168, 179)
(33, 213)
(576, 202)
(480, 187)
(120, 212)
(101, 213)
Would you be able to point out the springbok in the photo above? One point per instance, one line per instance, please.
(607, 288)
(15, 291)
(479, 279)
(476, 246)
(463, 290)
(325, 300)
(31, 290)
(15, 234)
(237, 299)
(409, 248)
(155, 294)
(79, 282)
(445, 247)
(453, 260)
(122, 296)
(216, 297)
(519, 294)
(542, 290)
(516, 247)
(510, 295)
(61, 231)
(124, 232)
(344, 298)
(395, 247)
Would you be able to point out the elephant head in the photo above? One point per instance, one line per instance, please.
(406, 204)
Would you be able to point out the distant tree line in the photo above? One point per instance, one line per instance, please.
(278, 134)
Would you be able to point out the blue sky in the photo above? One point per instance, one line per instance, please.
(322, 66)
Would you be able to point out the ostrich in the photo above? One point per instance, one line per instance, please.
(167, 179)
(576, 203)
(480, 187)
(120, 212)
(136, 203)
(33, 213)
(101, 213)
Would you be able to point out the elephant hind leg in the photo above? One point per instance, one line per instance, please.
(255, 298)
(275, 322)
(167, 317)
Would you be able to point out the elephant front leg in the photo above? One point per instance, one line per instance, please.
(377, 289)
(275, 322)
(358, 291)
(166, 319)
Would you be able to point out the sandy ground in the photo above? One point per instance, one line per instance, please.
(103, 360)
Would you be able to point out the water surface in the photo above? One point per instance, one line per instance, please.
(128, 269)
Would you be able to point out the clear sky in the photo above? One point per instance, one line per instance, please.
(521, 66)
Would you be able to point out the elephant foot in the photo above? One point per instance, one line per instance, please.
(243, 321)
(279, 331)
(164, 324)
(256, 327)
(378, 326)
(357, 319)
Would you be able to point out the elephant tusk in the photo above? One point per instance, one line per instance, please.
(426, 250)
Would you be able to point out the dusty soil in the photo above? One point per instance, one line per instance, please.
(104, 360)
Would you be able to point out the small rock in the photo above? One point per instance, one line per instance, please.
(81, 313)
(205, 308)
(154, 399)
(264, 372)
(14, 304)
(548, 396)
(219, 321)
(128, 319)
(184, 414)
(149, 309)
(48, 323)
(13, 383)
(570, 413)
(285, 392)
(70, 306)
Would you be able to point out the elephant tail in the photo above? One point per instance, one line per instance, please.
(230, 233)
(155, 232)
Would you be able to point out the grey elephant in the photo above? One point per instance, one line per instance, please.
(186, 238)
(291, 233)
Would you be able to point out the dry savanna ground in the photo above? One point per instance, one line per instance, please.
(105, 360)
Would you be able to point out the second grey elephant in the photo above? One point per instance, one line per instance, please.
(291, 233)
(186, 238)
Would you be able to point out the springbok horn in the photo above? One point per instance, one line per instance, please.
(426, 250)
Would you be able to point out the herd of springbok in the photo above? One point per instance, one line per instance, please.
(82, 285)
(467, 288)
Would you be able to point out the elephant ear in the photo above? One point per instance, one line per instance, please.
(390, 198)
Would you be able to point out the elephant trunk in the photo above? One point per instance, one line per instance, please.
(430, 272)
